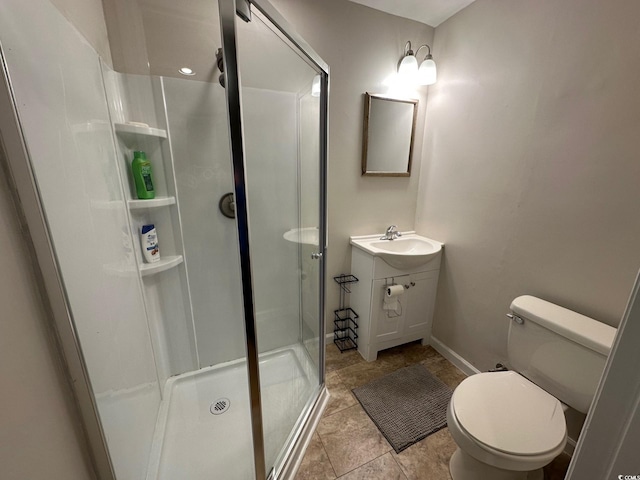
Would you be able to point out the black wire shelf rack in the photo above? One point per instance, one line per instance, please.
(345, 326)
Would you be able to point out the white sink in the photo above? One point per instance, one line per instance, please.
(405, 252)
(308, 235)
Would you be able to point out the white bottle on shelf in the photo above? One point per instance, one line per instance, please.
(149, 243)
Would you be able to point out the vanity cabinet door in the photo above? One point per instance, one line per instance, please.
(420, 299)
(387, 324)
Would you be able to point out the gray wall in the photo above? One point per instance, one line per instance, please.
(530, 166)
(40, 436)
(362, 47)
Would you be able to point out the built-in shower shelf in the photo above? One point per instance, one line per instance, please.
(165, 263)
(126, 270)
(152, 203)
(133, 129)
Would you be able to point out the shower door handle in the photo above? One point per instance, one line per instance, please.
(316, 256)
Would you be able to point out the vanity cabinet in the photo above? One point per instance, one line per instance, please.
(381, 329)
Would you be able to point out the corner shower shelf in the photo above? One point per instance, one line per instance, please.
(152, 203)
(345, 328)
(132, 129)
(126, 270)
(165, 263)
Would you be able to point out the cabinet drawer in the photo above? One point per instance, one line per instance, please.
(382, 269)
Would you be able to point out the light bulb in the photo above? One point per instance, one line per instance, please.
(427, 74)
(408, 68)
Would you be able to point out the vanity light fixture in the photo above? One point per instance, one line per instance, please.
(427, 73)
(186, 71)
(408, 68)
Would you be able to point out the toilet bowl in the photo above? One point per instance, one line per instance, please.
(508, 425)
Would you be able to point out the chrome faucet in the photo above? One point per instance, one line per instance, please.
(392, 233)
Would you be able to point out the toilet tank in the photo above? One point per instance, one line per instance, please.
(559, 350)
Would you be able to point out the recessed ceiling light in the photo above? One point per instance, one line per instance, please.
(186, 71)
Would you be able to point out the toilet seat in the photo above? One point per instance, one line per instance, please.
(507, 413)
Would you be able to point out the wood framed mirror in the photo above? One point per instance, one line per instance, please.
(388, 133)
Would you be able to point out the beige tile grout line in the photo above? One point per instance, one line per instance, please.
(373, 460)
(327, 455)
(404, 474)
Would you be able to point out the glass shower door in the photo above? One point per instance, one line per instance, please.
(283, 154)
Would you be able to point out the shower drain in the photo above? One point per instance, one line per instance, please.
(220, 406)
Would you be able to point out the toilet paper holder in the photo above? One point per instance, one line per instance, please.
(406, 286)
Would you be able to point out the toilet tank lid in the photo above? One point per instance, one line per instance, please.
(576, 327)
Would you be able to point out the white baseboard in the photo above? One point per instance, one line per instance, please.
(453, 357)
(570, 446)
(443, 350)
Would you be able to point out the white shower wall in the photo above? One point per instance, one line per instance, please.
(309, 150)
(271, 150)
(140, 98)
(198, 128)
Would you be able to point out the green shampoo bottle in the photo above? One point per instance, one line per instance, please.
(141, 168)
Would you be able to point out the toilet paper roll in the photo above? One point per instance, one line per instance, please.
(394, 290)
(391, 295)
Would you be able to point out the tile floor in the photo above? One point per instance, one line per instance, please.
(347, 445)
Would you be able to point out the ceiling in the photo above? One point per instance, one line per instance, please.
(431, 12)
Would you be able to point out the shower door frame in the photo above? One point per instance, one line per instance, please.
(233, 95)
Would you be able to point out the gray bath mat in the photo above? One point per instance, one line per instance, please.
(407, 405)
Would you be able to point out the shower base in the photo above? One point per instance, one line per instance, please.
(191, 442)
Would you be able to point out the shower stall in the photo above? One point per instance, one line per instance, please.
(209, 363)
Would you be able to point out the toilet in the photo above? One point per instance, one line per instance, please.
(508, 425)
